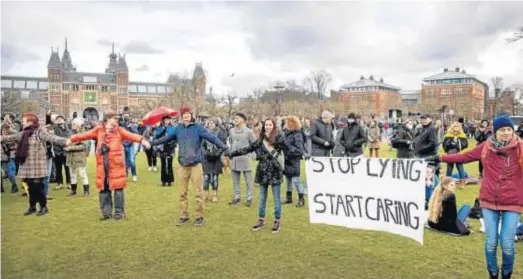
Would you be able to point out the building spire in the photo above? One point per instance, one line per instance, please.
(113, 48)
(65, 43)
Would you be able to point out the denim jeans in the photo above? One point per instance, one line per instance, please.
(9, 168)
(129, 160)
(463, 213)
(461, 170)
(509, 224)
(210, 179)
(264, 190)
(46, 179)
(297, 181)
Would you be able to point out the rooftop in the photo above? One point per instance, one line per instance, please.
(364, 82)
(449, 74)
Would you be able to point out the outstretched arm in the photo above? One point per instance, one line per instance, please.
(11, 138)
(48, 137)
(89, 135)
(128, 136)
(206, 135)
(465, 157)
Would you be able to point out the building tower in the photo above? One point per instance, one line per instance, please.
(122, 83)
(67, 62)
(113, 63)
(54, 78)
(200, 82)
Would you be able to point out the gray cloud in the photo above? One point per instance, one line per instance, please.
(143, 68)
(11, 55)
(141, 48)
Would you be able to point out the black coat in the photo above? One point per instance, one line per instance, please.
(295, 139)
(482, 136)
(268, 171)
(452, 146)
(319, 134)
(425, 142)
(448, 222)
(63, 132)
(353, 138)
(519, 132)
(402, 140)
(212, 162)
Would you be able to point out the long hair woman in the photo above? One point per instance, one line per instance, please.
(454, 142)
(31, 155)
(269, 172)
(501, 192)
(296, 138)
(443, 213)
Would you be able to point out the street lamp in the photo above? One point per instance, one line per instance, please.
(279, 88)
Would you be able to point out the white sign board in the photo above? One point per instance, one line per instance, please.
(90, 79)
(370, 194)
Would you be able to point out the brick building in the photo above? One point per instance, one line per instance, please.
(505, 102)
(368, 97)
(461, 92)
(67, 90)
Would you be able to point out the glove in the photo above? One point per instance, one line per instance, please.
(306, 157)
(433, 159)
(226, 152)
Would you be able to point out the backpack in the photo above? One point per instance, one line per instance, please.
(475, 211)
(485, 151)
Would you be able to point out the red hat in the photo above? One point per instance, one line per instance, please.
(185, 109)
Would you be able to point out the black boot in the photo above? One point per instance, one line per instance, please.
(301, 201)
(288, 199)
(2, 187)
(86, 190)
(493, 276)
(73, 189)
(30, 211)
(43, 211)
(14, 189)
(506, 276)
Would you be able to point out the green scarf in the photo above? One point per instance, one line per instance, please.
(497, 143)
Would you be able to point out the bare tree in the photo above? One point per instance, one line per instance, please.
(11, 101)
(518, 97)
(518, 35)
(184, 92)
(213, 105)
(230, 103)
(318, 81)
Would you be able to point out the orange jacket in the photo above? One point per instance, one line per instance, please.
(117, 177)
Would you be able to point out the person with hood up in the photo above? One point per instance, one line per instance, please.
(353, 137)
(76, 158)
(501, 192)
(31, 156)
(295, 138)
(481, 135)
(454, 142)
(402, 140)
(189, 136)
(61, 130)
(339, 149)
(374, 136)
(212, 161)
(110, 163)
(166, 151)
(321, 135)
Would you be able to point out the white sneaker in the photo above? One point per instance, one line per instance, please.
(482, 223)
(155, 169)
(135, 178)
(150, 169)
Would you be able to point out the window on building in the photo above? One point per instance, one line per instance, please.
(75, 87)
(65, 86)
(105, 88)
(142, 88)
(151, 89)
(122, 90)
(19, 84)
(7, 83)
(31, 84)
(160, 89)
(43, 85)
(113, 88)
(132, 88)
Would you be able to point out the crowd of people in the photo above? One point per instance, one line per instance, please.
(39, 151)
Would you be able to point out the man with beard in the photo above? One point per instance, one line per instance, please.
(402, 139)
(240, 137)
(321, 135)
(353, 137)
(60, 129)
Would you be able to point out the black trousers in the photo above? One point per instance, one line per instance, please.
(167, 174)
(36, 192)
(480, 168)
(151, 158)
(59, 161)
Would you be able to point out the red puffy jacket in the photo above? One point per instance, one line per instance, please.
(502, 186)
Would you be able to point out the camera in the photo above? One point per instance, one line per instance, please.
(104, 149)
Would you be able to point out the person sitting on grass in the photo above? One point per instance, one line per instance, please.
(110, 163)
(443, 213)
(269, 146)
(31, 156)
(431, 182)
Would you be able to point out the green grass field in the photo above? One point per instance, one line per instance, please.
(71, 242)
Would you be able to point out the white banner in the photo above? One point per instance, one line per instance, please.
(369, 194)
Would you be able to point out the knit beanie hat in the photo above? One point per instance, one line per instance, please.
(185, 109)
(501, 122)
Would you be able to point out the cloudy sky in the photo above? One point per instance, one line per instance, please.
(267, 41)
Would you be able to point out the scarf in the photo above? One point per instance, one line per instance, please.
(23, 144)
(498, 144)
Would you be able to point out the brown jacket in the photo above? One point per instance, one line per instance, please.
(8, 149)
(35, 165)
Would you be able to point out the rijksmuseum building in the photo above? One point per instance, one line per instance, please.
(67, 90)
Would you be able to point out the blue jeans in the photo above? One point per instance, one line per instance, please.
(264, 189)
(463, 213)
(9, 168)
(297, 181)
(129, 160)
(509, 224)
(461, 170)
(46, 180)
(210, 179)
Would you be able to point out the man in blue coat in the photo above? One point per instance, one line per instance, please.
(189, 136)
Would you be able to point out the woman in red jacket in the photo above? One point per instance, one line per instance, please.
(501, 193)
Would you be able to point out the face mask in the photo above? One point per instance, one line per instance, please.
(350, 120)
